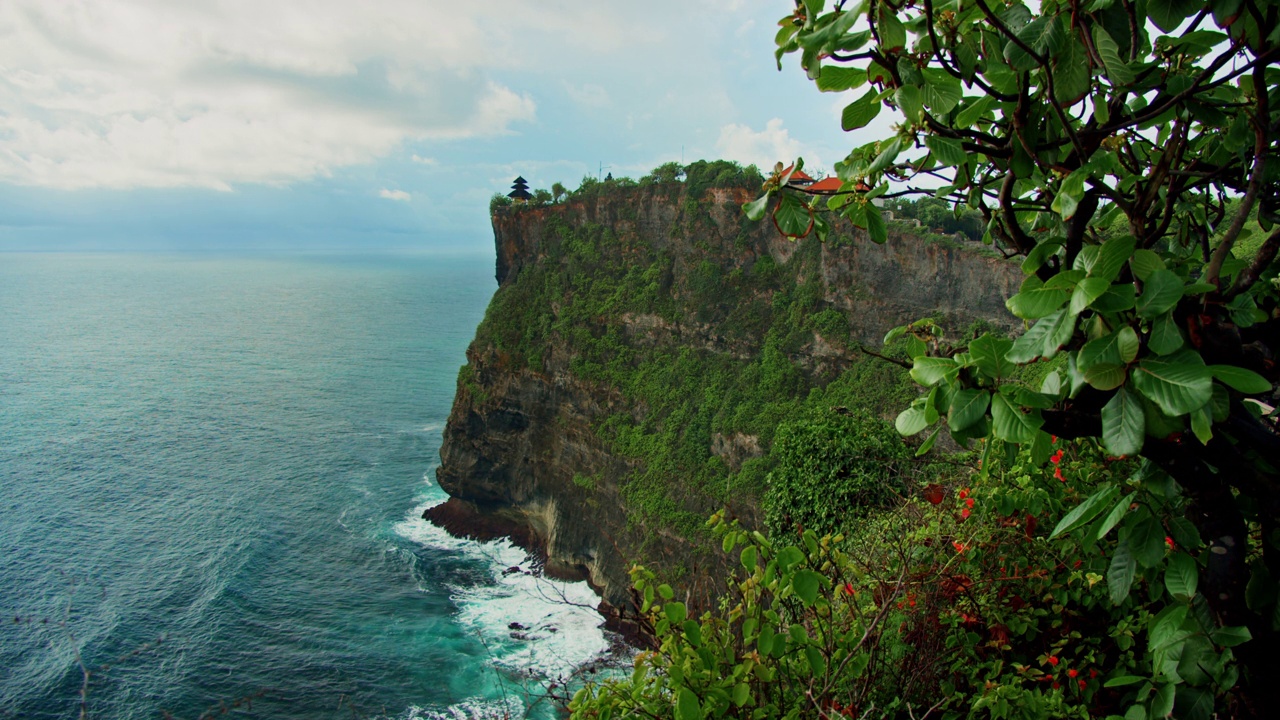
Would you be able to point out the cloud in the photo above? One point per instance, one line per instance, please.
(764, 148)
(428, 161)
(399, 195)
(147, 93)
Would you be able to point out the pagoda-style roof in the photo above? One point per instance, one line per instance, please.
(826, 185)
(520, 194)
(798, 178)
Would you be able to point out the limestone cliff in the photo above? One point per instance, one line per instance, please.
(641, 346)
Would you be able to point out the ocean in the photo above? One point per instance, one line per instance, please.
(212, 472)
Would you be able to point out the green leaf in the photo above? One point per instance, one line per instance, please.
(1162, 291)
(749, 558)
(756, 209)
(1202, 423)
(1123, 424)
(806, 584)
(1146, 541)
(675, 612)
(877, 231)
(1120, 573)
(1069, 193)
(1087, 290)
(741, 694)
(693, 632)
(1087, 510)
(1181, 577)
(687, 707)
(835, 78)
(927, 445)
(1114, 517)
(1116, 299)
(861, 111)
(1117, 348)
(1036, 302)
(1044, 338)
(1145, 262)
(910, 102)
(1117, 70)
(941, 91)
(793, 217)
(891, 30)
(947, 151)
(1169, 14)
(1071, 74)
(987, 353)
(1105, 376)
(1174, 382)
(1231, 636)
(973, 111)
(1010, 423)
(1162, 703)
(1240, 379)
(1165, 336)
(967, 408)
(1112, 256)
(929, 371)
(1123, 680)
(887, 155)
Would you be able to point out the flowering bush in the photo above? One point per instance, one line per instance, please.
(1051, 583)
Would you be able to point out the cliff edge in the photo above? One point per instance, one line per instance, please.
(640, 349)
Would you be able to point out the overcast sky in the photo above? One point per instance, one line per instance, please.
(379, 124)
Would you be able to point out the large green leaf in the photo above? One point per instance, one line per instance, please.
(973, 111)
(911, 421)
(1176, 383)
(929, 371)
(1181, 577)
(947, 151)
(1037, 302)
(967, 408)
(1087, 290)
(793, 218)
(806, 584)
(1165, 336)
(877, 231)
(888, 153)
(835, 78)
(756, 209)
(1161, 292)
(1245, 381)
(1087, 510)
(987, 353)
(1069, 193)
(687, 707)
(910, 102)
(1072, 74)
(1123, 424)
(1169, 14)
(861, 111)
(1118, 72)
(941, 92)
(1120, 573)
(1012, 423)
(1044, 338)
(891, 30)
(1117, 348)
(1144, 263)
(1146, 541)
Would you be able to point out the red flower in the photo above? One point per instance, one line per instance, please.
(1053, 660)
(1053, 439)
(1169, 541)
(933, 493)
(964, 493)
(1057, 472)
(848, 588)
(1072, 673)
(1082, 683)
(959, 546)
(1056, 457)
(1093, 673)
(968, 502)
(1056, 686)
(964, 513)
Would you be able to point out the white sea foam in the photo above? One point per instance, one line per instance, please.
(469, 709)
(537, 629)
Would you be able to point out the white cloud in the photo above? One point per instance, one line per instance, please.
(148, 93)
(764, 148)
(428, 161)
(399, 195)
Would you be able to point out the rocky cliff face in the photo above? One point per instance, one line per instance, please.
(557, 431)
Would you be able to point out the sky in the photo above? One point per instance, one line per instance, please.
(335, 125)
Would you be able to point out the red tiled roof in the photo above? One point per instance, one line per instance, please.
(799, 177)
(830, 184)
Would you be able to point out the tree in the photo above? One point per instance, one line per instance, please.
(558, 191)
(1057, 123)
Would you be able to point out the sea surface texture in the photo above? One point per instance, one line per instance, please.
(212, 472)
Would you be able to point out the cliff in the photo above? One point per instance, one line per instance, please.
(639, 352)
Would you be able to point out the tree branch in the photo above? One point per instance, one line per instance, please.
(1262, 122)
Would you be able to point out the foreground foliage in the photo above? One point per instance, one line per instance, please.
(982, 597)
(1121, 149)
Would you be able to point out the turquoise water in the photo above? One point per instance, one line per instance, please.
(212, 473)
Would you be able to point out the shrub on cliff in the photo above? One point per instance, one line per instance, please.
(832, 468)
(1106, 145)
